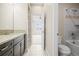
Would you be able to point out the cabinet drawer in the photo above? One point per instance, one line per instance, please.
(5, 47)
(8, 53)
(18, 39)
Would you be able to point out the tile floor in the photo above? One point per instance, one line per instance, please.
(35, 50)
(37, 39)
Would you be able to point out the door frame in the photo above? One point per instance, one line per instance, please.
(55, 22)
(44, 31)
(29, 27)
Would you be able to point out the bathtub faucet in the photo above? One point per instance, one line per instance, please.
(73, 35)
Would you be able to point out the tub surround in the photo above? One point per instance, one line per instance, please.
(5, 38)
(73, 45)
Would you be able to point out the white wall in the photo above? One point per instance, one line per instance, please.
(55, 27)
(36, 9)
(48, 29)
(65, 25)
(51, 11)
(6, 16)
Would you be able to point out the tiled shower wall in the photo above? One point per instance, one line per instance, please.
(66, 26)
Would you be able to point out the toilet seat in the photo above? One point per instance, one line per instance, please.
(64, 47)
(64, 50)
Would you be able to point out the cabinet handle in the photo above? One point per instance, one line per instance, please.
(4, 48)
(11, 44)
(11, 52)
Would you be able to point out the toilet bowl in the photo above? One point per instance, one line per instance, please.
(64, 50)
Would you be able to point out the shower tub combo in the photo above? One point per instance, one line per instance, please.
(73, 45)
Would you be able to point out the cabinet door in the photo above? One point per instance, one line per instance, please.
(22, 47)
(8, 53)
(18, 39)
(5, 47)
(17, 50)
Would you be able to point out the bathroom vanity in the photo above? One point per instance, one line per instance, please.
(12, 44)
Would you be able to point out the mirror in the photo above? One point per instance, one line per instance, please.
(6, 18)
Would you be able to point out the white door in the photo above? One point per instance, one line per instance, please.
(37, 29)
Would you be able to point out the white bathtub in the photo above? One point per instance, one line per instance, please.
(74, 46)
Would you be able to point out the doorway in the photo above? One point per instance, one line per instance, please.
(36, 28)
(37, 24)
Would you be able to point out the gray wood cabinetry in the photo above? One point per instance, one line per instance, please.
(6, 47)
(17, 49)
(19, 46)
(14, 47)
(22, 47)
(9, 53)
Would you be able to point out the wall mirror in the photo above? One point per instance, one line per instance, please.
(6, 18)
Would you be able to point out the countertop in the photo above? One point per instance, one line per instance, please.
(6, 38)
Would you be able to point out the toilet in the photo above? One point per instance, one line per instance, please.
(63, 50)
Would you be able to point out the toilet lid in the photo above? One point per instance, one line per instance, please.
(64, 48)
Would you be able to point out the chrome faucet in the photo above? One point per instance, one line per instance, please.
(73, 37)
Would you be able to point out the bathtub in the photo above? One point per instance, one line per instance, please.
(73, 45)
